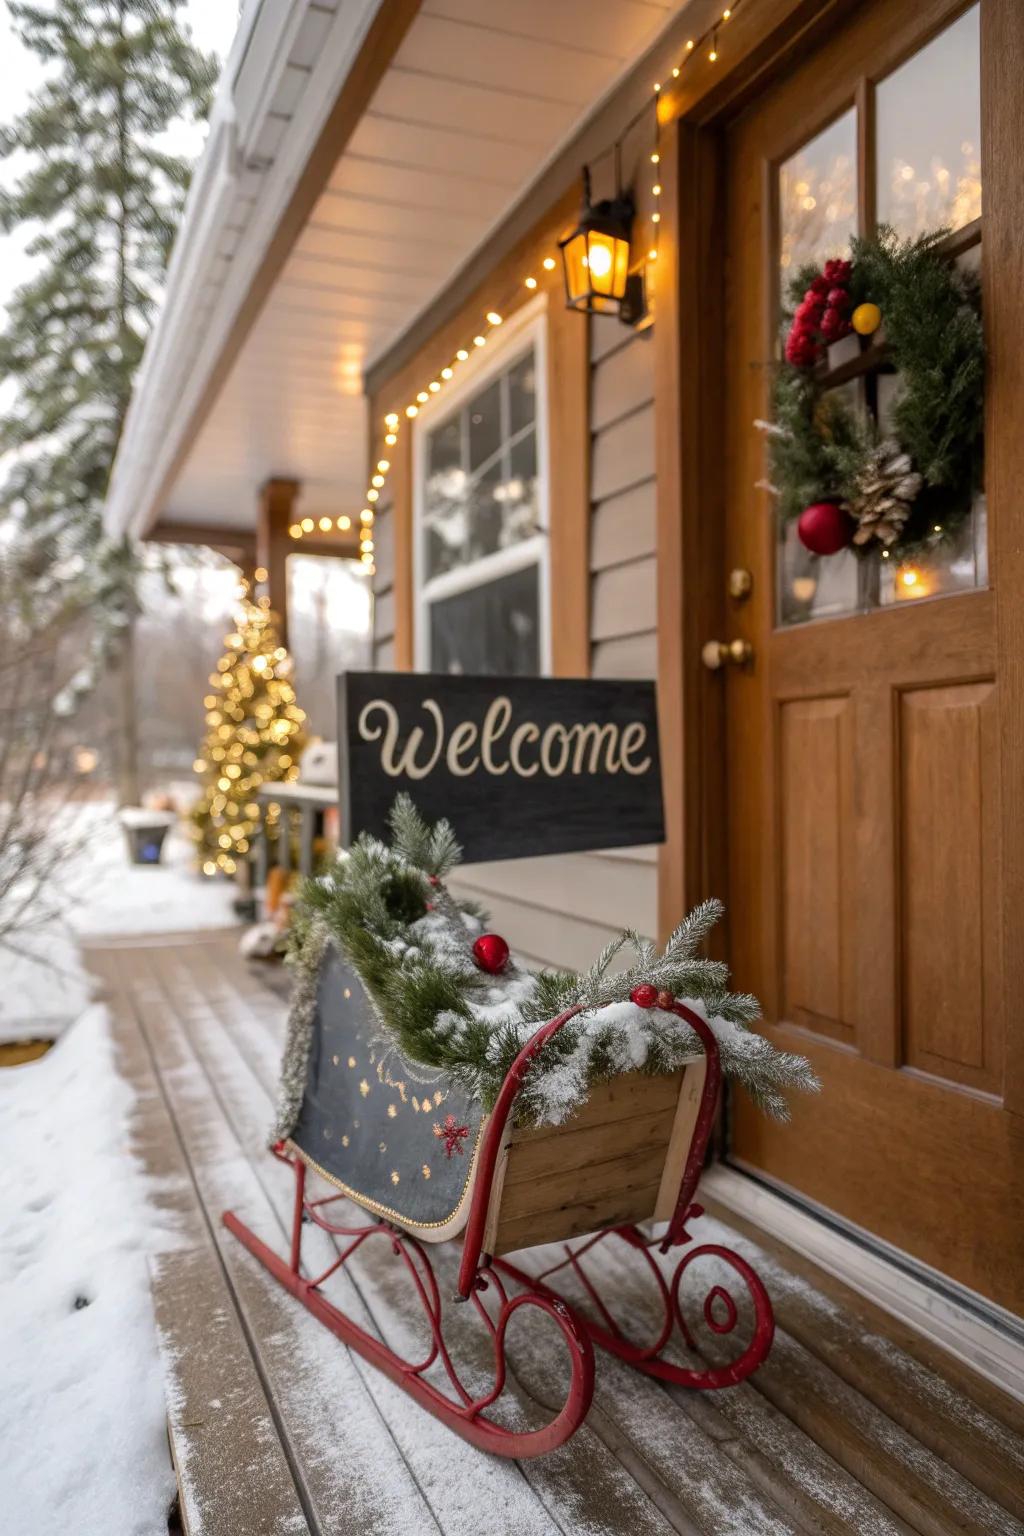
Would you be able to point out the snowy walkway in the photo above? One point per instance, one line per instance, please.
(854, 1425)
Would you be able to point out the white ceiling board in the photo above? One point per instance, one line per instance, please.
(480, 96)
(498, 161)
(608, 27)
(518, 115)
(342, 210)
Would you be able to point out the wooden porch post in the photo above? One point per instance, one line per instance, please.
(276, 512)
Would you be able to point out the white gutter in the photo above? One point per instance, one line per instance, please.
(267, 116)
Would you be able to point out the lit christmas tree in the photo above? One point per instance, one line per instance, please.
(254, 736)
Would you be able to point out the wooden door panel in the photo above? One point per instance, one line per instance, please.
(816, 892)
(949, 882)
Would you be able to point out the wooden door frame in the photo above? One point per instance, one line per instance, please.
(692, 605)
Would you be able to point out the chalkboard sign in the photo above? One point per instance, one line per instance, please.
(368, 1118)
(520, 766)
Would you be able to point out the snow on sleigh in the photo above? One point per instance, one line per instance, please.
(456, 1097)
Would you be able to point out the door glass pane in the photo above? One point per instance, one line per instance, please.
(494, 628)
(928, 134)
(818, 197)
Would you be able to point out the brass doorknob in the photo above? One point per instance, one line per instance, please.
(720, 653)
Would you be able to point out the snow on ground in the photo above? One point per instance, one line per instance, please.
(45, 986)
(82, 1414)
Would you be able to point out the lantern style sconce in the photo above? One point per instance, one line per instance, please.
(595, 258)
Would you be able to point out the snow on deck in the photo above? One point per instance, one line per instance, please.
(850, 1427)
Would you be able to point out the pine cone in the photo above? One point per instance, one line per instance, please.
(887, 488)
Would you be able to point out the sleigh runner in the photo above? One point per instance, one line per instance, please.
(482, 1125)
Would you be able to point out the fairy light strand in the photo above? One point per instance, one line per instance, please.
(705, 45)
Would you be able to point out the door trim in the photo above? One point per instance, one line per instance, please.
(984, 1336)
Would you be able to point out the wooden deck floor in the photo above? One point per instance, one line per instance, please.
(854, 1425)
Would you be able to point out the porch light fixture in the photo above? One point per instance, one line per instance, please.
(595, 258)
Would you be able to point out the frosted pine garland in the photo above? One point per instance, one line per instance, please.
(389, 913)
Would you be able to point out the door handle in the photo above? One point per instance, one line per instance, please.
(721, 653)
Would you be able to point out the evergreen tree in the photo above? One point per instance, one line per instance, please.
(254, 736)
(106, 197)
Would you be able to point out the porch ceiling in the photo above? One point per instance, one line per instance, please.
(478, 97)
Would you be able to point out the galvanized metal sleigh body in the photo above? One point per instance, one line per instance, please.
(634, 1152)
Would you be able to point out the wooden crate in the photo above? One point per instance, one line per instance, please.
(619, 1160)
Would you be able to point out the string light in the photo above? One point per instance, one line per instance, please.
(531, 282)
(548, 263)
(344, 524)
(325, 525)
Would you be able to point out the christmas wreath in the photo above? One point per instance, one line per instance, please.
(908, 488)
(450, 999)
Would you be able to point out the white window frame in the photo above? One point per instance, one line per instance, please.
(527, 326)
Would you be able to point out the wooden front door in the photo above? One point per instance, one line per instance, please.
(873, 834)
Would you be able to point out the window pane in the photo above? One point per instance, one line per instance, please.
(520, 491)
(492, 629)
(522, 394)
(445, 450)
(818, 197)
(485, 512)
(484, 424)
(928, 134)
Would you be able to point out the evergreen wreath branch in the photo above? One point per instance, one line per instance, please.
(409, 940)
(821, 449)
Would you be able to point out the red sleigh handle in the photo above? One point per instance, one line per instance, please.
(487, 1159)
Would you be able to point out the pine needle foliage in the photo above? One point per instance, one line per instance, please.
(102, 197)
(931, 309)
(409, 940)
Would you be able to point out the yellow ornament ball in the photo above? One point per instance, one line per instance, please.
(866, 319)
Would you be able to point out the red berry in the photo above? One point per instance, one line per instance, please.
(838, 298)
(645, 996)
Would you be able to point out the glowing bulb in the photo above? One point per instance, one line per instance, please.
(885, 554)
(411, 411)
(434, 386)
(378, 481)
(366, 516)
(479, 341)
(390, 439)
(548, 263)
(391, 419)
(344, 524)
(713, 54)
(655, 158)
(325, 525)
(307, 525)
(675, 73)
(383, 465)
(422, 397)
(656, 189)
(600, 261)
(726, 14)
(531, 282)
(652, 254)
(910, 577)
(462, 354)
(493, 318)
(446, 373)
(295, 531)
(655, 218)
(937, 528)
(657, 87)
(260, 573)
(373, 495)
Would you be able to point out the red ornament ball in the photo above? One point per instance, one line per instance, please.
(824, 528)
(645, 996)
(665, 1000)
(490, 953)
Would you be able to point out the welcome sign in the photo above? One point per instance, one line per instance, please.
(520, 765)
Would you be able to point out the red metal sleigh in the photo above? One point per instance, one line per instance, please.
(506, 1214)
